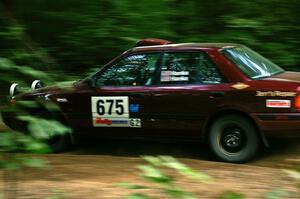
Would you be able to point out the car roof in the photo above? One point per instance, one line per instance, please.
(185, 46)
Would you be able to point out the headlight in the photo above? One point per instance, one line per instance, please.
(36, 84)
(44, 97)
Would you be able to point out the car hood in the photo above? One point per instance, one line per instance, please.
(293, 77)
(58, 88)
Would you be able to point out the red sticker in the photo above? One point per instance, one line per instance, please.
(278, 103)
(99, 120)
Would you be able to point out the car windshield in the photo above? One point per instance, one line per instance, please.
(251, 63)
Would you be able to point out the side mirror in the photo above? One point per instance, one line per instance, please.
(13, 89)
(36, 84)
(91, 82)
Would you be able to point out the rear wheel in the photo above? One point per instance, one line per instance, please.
(233, 138)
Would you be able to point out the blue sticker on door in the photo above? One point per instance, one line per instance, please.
(134, 108)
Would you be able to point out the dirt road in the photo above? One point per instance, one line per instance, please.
(91, 169)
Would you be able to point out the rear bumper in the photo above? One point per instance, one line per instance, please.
(278, 124)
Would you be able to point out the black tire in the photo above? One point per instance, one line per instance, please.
(58, 143)
(233, 138)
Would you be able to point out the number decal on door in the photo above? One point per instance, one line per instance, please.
(112, 111)
(110, 106)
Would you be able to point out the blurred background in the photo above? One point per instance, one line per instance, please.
(76, 37)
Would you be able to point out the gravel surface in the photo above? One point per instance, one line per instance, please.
(91, 170)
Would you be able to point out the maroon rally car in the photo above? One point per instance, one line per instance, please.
(225, 94)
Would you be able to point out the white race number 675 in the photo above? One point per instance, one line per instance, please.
(110, 107)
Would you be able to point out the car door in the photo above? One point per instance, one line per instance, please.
(187, 90)
(119, 95)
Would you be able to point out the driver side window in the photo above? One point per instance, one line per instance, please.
(133, 70)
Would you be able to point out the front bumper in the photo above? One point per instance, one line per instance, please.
(278, 124)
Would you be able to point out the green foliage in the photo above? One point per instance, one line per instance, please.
(232, 195)
(39, 130)
(32, 162)
(12, 141)
(77, 36)
(154, 173)
(157, 172)
(43, 128)
(276, 194)
(9, 66)
(172, 163)
(6, 64)
(292, 173)
(13, 32)
(57, 194)
(138, 196)
(131, 186)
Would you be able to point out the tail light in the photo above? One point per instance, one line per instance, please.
(297, 102)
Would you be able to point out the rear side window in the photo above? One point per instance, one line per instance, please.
(189, 68)
(252, 64)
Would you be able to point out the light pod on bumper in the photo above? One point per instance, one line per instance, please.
(36, 84)
(13, 89)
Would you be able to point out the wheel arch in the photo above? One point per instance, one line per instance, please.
(215, 116)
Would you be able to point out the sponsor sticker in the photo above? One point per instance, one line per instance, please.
(174, 76)
(278, 103)
(113, 111)
(134, 108)
(275, 93)
(175, 73)
(99, 121)
(118, 122)
(135, 123)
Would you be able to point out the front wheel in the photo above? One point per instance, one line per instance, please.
(233, 138)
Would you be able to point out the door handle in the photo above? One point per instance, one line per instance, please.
(216, 94)
(158, 94)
